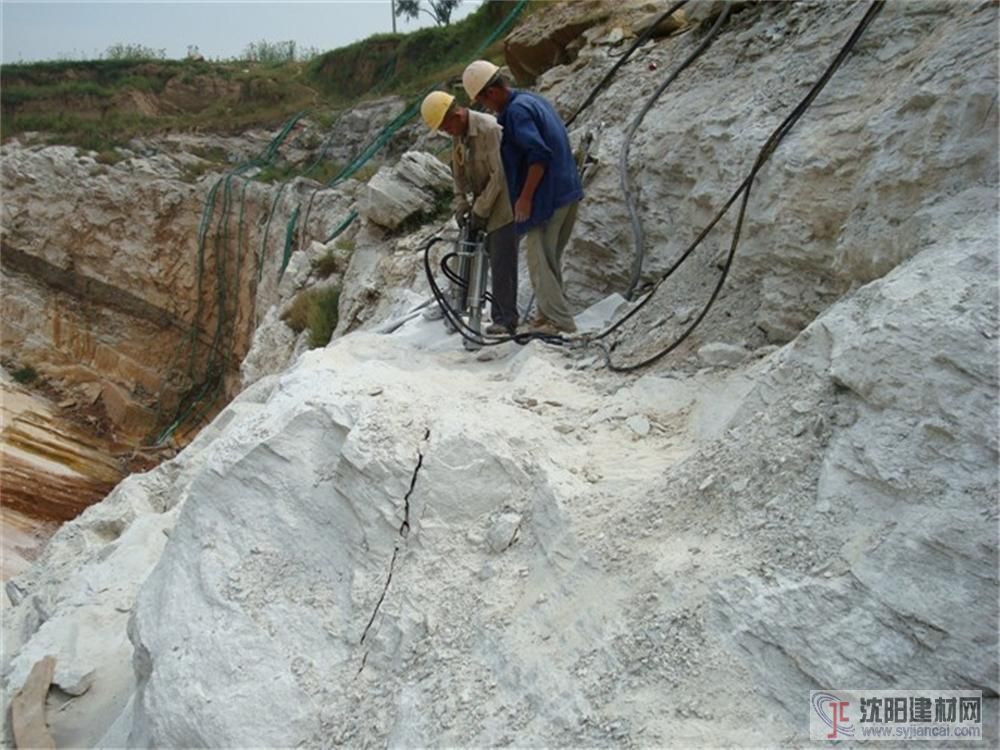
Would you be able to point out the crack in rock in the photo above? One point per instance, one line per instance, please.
(404, 532)
(404, 529)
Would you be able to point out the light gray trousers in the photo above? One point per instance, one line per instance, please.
(544, 247)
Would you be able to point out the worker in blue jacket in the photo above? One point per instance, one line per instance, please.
(542, 180)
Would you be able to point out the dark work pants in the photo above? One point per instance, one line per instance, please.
(502, 246)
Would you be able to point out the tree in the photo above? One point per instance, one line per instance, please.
(439, 10)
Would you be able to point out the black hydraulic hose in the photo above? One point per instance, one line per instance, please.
(449, 272)
(745, 187)
(452, 315)
(454, 278)
(633, 211)
(455, 318)
(624, 58)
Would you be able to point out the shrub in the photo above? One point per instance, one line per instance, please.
(216, 154)
(365, 172)
(323, 171)
(280, 172)
(108, 156)
(296, 316)
(400, 62)
(270, 52)
(26, 374)
(323, 316)
(335, 260)
(194, 172)
(326, 265)
(77, 102)
(143, 83)
(317, 310)
(121, 51)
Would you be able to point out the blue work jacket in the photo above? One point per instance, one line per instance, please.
(533, 133)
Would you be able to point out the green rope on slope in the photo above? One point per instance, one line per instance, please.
(217, 358)
(376, 144)
(343, 225)
(267, 229)
(502, 28)
(226, 286)
(289, 236)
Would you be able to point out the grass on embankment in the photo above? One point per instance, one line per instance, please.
(101, 104)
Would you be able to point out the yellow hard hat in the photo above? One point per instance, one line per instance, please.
(434, 107)
(477, 75)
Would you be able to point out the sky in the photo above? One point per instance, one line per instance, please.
(36, 30)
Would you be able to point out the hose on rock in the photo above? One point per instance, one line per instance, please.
(743, 190)
(626, 185)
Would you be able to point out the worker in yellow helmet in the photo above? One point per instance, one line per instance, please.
(481, 196)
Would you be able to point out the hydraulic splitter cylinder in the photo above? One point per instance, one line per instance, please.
(476, 296)
(467, 295)
(458, 291)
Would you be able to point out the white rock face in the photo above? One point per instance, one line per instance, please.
(360, 557)
(892, 156)
(398, 543)
(355, 487)
(409, 187)
(904, 479)
(76, 604)
(274, 345)
(352, 132)
(103, 275)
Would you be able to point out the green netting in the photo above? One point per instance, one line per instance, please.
(207, 379)
(208, 385)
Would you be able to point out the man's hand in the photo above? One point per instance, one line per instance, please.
(477, 223)
(522, 209)
(462, 217)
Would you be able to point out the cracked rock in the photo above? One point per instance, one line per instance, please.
(503, 533)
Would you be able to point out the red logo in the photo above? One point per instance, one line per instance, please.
(839, 717)
(832, 710)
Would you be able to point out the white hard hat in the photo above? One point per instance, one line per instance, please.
(434, 107)
(477, 74)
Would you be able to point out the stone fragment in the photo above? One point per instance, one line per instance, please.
(28, 708)
(411, 187)
(503, 532)
(718, 354)
(638, 424)
(666, 26)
